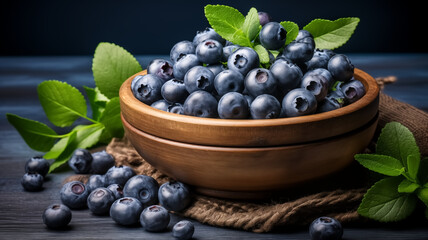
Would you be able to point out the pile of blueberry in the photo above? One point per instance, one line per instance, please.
(212, 77)
(129, 199)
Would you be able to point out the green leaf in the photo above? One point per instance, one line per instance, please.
(112, 121)
(413, 166)
(384, 203)
(60, 146)
(228, 23)
(423, 195)
(63, 104)
(292, 30)
(407, 186)
(332, 34)
(86, 137)
(397, 141)
(97, 101)
(111, 66)
(263, 53)
(251, 26)
(381, 163)
(37, 135)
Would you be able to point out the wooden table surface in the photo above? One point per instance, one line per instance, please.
(20, 211)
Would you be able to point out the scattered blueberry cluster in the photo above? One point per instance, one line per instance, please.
(212, 77)
(140, 201)
(128, 198)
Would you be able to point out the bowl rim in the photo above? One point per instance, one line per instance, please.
(372, 92)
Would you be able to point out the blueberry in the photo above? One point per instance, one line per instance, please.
(233, 105)
(32, 182)
(148, 89)
(74, 195)
(330, 103)
(174, 196)
(101, 162)
(352, 91)
(176, 108)
(126, 211)
(298, 102)
(80, 161)
(227, 51)
(208, 33)
(319, 60)
(265, 106)
(287, 74)
(37, 165)
(95, 181)
(316, 84)
(183, 64)
(56, 216)
(249, 99)
(142, 187)
(183, 230)
(260, 81)
(154, 218)
(216, 68)
(119, 175)
(199, 78)
(181, 48)
(243, 60)
(301, 49)
(174, 91)
(201, 104)
(116, 189)
(303, 34)
(324, 228)
(272, 36)
(228, 81)
(264, 18)
(341, 68)
(161, 105)
(209, 51)
(323, 72)
(135, 80)
(161, 68)
(100, 200)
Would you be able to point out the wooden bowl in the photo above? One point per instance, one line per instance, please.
(241, 158)
(250, 133)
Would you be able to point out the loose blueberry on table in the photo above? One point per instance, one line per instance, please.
(325, 228)
(56, 216)
(142, 187)
(100, 200)
(174, 196)
(74, 195)
(154, 218)
(101, 162)
(32, 182)
(183, 230)
(81, 161)
(38, 165)
(126, 211)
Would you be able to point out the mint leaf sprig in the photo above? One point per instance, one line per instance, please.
(397, 156)
(63, 104)
(242, 30)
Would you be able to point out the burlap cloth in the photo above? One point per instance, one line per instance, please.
(337, 196)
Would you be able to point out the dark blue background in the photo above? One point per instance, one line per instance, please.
(66, 27)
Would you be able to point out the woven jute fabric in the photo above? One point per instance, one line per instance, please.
(337, 196)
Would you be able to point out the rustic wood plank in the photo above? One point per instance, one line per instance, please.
(20, 211)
